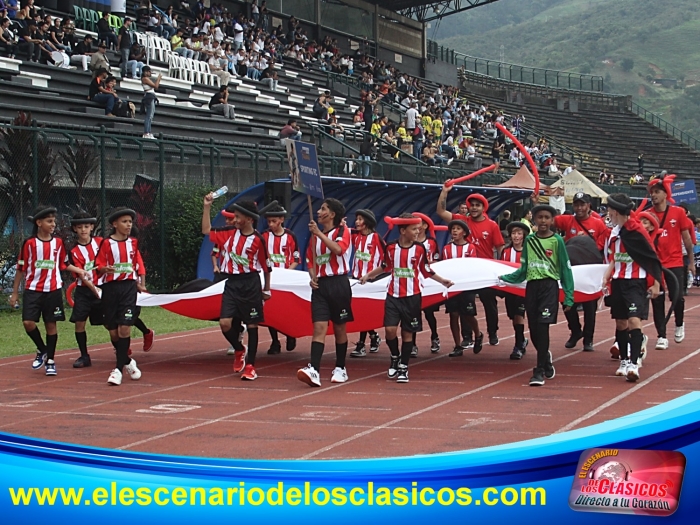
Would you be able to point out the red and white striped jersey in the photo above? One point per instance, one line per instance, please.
(408, 267)
(625, 267)
(369, 253)
(122, 255)
(431, 246)
(83, 256)
(241, 253)
(282, 249)
(43, 261)
(327, 264)
(510, 254)
(458, 251)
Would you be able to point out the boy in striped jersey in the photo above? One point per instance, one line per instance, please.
(408, 262)
(328, 260)
(515, 305)
(369, 253)
(41, 260)
(244, 256)
(283, 248)
(634, 273)
(119, 263)
(86, 298)
(463, 305)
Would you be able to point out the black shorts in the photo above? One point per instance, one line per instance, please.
(119, 303)
(218, 277)
(542, 301)
(46, 305)
(404, 311)
(515, 305)
(242, 298)
(463, 303)
(86, 305)
(628, 298)
(332, 300)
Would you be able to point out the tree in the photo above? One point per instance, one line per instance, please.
(81, 162)
(627, 64)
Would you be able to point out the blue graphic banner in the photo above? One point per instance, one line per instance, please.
(303, 166)
(684, 191)
(529, 481)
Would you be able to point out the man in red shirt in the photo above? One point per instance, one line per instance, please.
(581, 223)
(674, 231)
(486, 238)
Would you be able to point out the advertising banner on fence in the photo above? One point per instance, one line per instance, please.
(303, 167)
(684, 191)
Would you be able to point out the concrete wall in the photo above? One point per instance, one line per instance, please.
(441, 72)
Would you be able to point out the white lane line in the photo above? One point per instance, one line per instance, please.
(566, 387)
(506, 413)
(348, 408)
(535, 398)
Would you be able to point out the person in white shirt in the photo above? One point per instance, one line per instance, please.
(411, 118)
(216, 69)
(237, 35)
(569, 169)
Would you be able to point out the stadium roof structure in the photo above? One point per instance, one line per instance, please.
(426, 10)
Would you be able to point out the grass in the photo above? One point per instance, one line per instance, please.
(14, 341)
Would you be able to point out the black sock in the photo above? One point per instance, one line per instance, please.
(316, 354)
(413, 339)
(432, 323)
(543, 359)
(363, 337)
(623, 338)
(274, 337)
(123, 358)
(35, 336)
(51, 341)
(406, 347)
(341, 351)
(81, 338)
(519, 335)
(373, 333)
(393, 345)
(232, 337)
(636, 338)
(138, 323)
(114, 343)
(252, 345)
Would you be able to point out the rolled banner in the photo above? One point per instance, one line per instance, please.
(524, 151)
(452, 182)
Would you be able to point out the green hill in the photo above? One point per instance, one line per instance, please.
(658, 38)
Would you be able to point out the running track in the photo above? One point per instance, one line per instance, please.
(189, 402)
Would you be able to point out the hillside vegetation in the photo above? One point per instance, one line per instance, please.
(628, 42)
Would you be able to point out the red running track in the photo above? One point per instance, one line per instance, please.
(189, 401)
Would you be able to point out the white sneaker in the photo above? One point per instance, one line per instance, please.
(115, 378)
(679, 335)
(643, 353)
(661, 343)
(450, 161)
(133, 370)
(230, 351)
(632, 373)
(340, 375)
(309, 375)
(622, 369)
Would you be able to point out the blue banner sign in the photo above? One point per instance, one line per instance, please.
(303, 167)
(684, 191)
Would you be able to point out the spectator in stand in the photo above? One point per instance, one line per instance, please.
(124, 46)
(505, 221)
(568, 170)
(155, 23)
(238, 34)
(29, 11)
(291, 130)
(43, 41)
(640, 164)
(365, 155)
(496, 150)
(83, 52)
(178, 44)
(255, 12)
(99, 93)
(431, 156)
(12, 7)
(105, 32)
(321, 105)
(168, 24)
(142, 12)
(57, 36)
(603, 177)
(271, 80)
(99, 60)
(148, 104)
(137, 57)
(216, 69)
(7, 39)
(219, 103)
(611, 179)
(553, 169)
(194, 44)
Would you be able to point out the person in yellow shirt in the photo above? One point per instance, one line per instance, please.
(437, 129)
(402, 136)
(426, 122)
(376, 129)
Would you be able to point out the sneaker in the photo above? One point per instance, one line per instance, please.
(148, 340)
(275, 348)
(374, 342)
(643, 353)
(309, 375)
(414, 351)
(115, 378)
(493, 340)
(449, 161)
(479, 342)
(549, 372)
(517, 353)
(537, 378)
(148, 136)
(457, 352)
(50, 369)
(573, 341)
(622, 369)
(435, 345)
(359, 350)
(230, 351)
(615, 351)
(133, 370)
(393, 367)
(588, 347)
(249, 373)
(239, 360)
(340, 375)
(402, 375)
(661, 343)
(39, 360)
(467, 342)
(632, 373)
(291, 344)
(679, 334)
(82, 362)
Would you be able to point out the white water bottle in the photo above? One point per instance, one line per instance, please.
(218, 193)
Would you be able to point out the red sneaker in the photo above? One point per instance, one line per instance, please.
(249, 373)
(239, 360)
(129, 352)
(148, 340)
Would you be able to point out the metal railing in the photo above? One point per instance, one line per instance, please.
(515, 72)
(665, 126)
